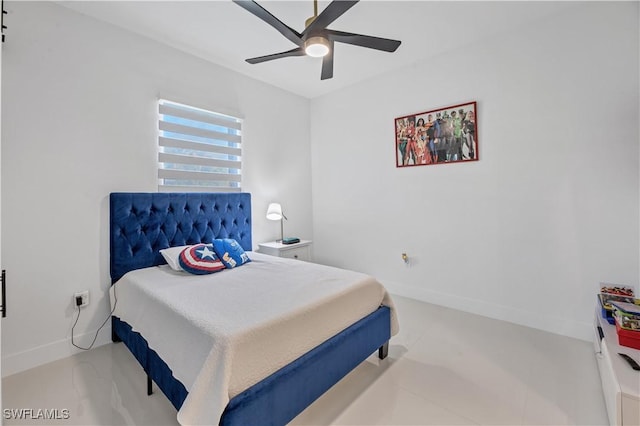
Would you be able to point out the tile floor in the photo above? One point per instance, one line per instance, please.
(444, 368)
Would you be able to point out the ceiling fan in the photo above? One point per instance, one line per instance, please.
(316, 39)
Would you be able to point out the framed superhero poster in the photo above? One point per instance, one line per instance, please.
(445, 135)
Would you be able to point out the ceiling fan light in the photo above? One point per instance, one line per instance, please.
(316, 46)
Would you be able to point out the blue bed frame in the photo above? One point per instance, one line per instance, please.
(141, 224)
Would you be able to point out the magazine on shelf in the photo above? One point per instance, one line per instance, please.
(627, 315)
(617, 289)
(616, 293)
(625, 308)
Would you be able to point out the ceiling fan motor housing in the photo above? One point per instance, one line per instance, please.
(316, 46)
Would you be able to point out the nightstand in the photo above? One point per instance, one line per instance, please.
(300, 251)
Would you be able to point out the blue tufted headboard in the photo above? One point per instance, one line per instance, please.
(141, 224)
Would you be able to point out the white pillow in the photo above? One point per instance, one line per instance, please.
(171, 255)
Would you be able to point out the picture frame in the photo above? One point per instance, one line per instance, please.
(439, 136)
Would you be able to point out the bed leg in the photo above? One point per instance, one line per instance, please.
(149, 385)
(114, 335)
(383, 351)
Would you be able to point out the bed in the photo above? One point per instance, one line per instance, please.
(269, 382)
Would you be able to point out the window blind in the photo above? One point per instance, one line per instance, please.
(198, 150)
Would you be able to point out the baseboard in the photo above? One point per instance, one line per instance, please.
(548, 322)
(25, 360)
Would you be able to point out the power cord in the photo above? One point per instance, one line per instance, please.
(78, 303)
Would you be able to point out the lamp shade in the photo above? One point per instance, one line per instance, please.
(274, 211)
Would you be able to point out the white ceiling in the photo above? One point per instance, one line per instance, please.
(224, 33)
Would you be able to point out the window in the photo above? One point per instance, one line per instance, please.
(198, 150)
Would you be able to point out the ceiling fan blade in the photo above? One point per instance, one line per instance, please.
(327, 64)
(267, 17)
(371, 42)
(298, 51)
(332, 12)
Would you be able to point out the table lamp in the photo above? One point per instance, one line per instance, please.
(274, 212)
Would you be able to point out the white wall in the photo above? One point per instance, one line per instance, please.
(550, 210)
(79, 118)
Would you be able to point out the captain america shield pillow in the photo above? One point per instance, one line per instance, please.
(200, 259)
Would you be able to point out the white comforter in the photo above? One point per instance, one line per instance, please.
(224, 332)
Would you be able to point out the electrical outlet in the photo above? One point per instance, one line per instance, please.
(84, 298)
